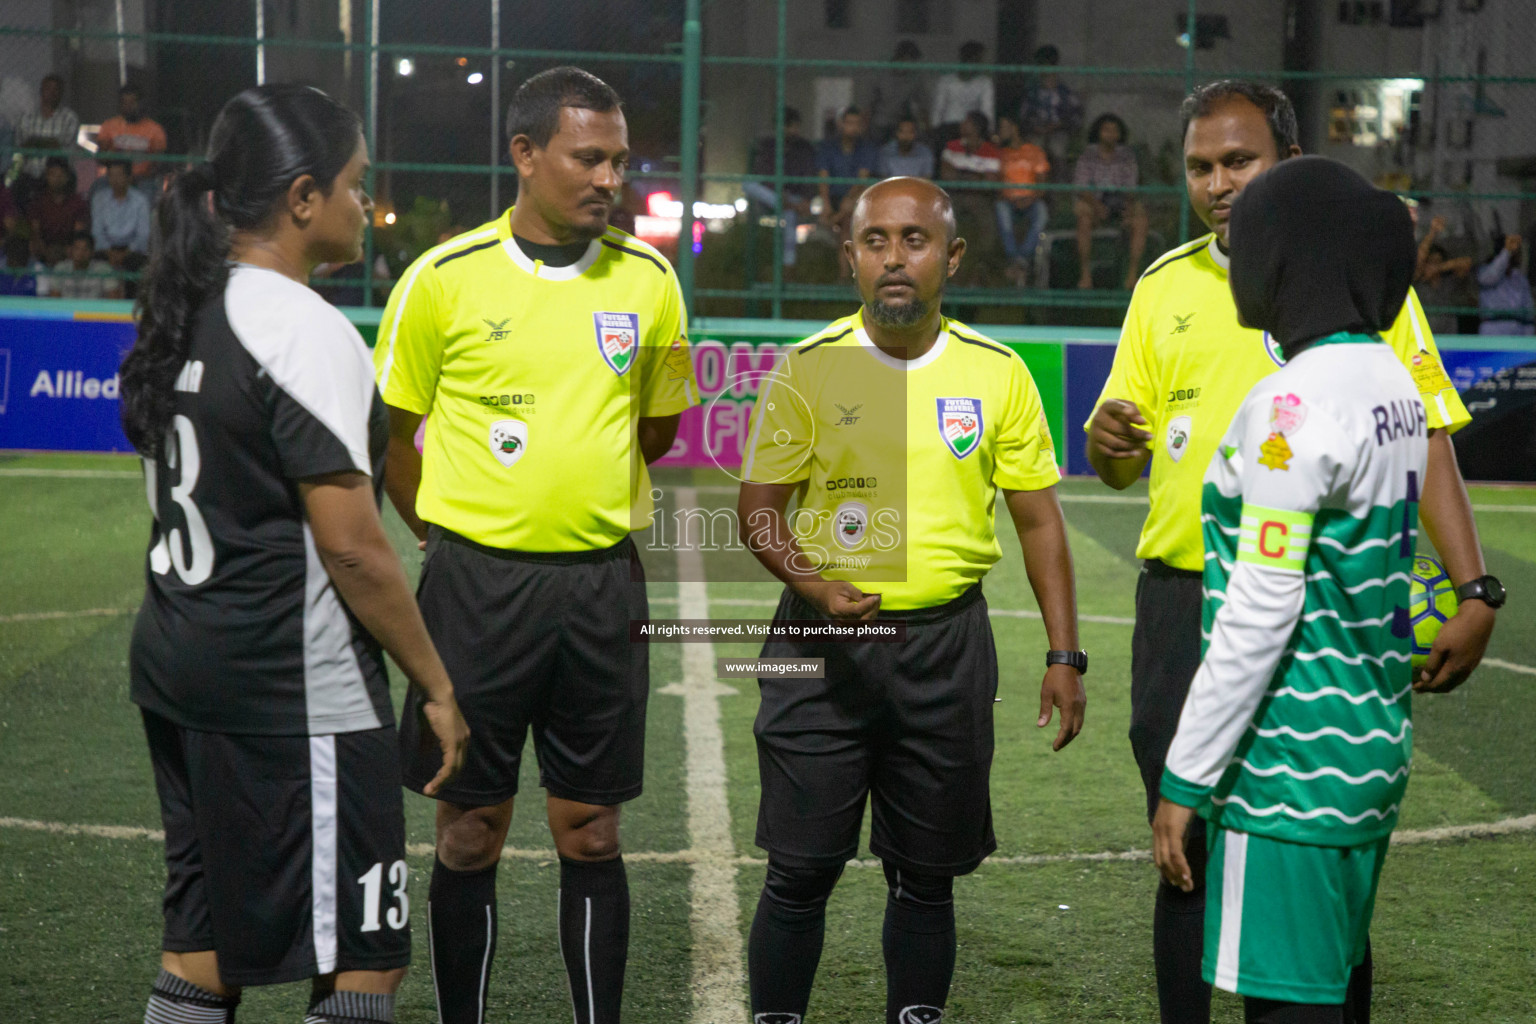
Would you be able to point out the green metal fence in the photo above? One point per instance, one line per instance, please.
(431, 81)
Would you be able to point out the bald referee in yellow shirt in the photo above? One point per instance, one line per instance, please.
(549, 353)
(1182, 368)
(896, 392)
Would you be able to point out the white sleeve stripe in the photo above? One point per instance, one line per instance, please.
(757, 428)
(388, 339)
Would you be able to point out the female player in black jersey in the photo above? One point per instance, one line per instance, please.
(271, 586)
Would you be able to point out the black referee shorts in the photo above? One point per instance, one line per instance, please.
(538, 640)
(1165, 652)
(285, 855)
(909, 725)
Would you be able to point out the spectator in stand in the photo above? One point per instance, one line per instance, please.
(899, 95)
(81, 275)
(1105, 166)
(1051, 111)
(120, 219)
(51, 126)
(1023, 163)
(799, 162)
(972, 157)
(19, 277)
(1441, 280)
(904, 155)
(1504, 293)
(132, 132)
(57, 213)
(956, 95)
(848, 155)
(9, 214)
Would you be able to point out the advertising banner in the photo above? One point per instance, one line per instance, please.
(59, 384)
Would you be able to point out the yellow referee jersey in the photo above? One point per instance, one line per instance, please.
(1187, 365)
(898, 462)
(534, 378)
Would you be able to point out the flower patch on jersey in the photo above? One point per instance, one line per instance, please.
(1286, 414)
(618, 339)
(960, 424)
(509, 441)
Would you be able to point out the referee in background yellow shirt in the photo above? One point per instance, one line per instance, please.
(551, 353)
(1182, 368)
(894, 393)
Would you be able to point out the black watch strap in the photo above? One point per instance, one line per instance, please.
(1077, 659)
(1487, 589)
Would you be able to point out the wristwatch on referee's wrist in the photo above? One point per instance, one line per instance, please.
(1077, 659)
(1486, 589)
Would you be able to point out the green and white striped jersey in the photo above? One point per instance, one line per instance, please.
(1298, 722)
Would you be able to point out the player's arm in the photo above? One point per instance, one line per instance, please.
(765, 531)
(402, 468)
(350, 540)
(1042, 531)
(1119, 443)
(1444, 507)
(1265, 594)
(1446, 511)
(407, 362)
(655, 435)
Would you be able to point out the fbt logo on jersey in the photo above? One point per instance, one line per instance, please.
(618, 338)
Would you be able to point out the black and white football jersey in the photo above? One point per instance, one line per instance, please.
(241, 629)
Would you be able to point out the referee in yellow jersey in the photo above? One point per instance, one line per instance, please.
(893, 429)
(1182, 368)
(549, 354)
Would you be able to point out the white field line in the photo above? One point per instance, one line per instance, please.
(84, 613)
(72, 474)
(715, 911)
(1510, 666)
(1082, 499)
(1402, 837)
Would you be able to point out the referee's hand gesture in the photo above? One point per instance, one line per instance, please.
(1115, 431)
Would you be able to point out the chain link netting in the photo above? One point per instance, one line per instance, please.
(1432, 98)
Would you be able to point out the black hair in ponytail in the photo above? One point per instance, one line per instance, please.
(263, 140)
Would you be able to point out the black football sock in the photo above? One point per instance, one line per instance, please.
(919, 944)
(1178, 941)
(784, 946)
(1269, 1011)
(175, 1000)
(352, 1008)
(461, 936)
(594, 936)
(1357, 1000)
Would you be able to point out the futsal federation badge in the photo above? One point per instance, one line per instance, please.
(618, 338)
(960, 424)
(851, 522)
(509, 440)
